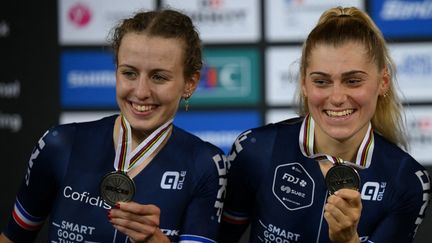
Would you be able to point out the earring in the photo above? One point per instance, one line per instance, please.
(186, 100)
(385, 94)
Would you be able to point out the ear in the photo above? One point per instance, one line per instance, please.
(303, 88)
(385, 83)
(191, 84)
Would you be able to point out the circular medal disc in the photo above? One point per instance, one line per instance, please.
(342, 176)
(117, 186)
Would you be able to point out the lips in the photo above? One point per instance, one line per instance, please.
(339, 113)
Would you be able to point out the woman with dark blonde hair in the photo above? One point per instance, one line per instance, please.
(339, 172)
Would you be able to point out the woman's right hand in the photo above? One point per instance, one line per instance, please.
(342, 213)
(138, 221)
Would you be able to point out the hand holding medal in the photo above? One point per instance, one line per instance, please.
(117, 186)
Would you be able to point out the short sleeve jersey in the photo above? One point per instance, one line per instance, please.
(278, 190)
(186, 180)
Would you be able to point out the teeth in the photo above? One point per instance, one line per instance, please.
(339, 113)
(142, 107)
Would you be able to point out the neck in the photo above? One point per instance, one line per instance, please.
(137, 137)
(346, 149)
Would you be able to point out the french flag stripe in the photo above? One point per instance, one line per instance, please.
(24, 219)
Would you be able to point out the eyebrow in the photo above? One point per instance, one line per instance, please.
(343, 74)
(126, 65)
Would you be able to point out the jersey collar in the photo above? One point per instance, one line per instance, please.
(306, 143)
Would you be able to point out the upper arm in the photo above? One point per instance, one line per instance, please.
(401, 223)
(35, 197)
(203, 214)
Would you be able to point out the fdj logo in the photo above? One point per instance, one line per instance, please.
(173, 180)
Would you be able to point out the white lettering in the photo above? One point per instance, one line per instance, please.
(221, 165)
(10, 90)
(170, 180)
(169, 232)
(237, 147)
(95, 78)
(424, 178)
(84, 197)
(13, 122)
(34, 155)
(403, 10)
(370, 191)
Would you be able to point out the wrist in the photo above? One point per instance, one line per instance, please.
(158, 237)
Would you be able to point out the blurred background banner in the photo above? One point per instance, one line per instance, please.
(56, 67)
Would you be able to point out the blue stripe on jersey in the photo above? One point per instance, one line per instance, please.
(194, 239)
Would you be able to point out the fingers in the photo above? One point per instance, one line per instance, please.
(344, 206)
(138, 221)
(345, 200)
(342, 213)
(146, 214)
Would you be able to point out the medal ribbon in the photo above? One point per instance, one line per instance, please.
(306, 142)
(126, 160)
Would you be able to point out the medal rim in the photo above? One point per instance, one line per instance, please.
(353, 173)
(125, 198)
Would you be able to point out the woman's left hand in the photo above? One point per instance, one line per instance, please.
(342, 213)
(139, 222)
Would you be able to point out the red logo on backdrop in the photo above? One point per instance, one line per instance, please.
(424, 124)
(214, 4)
(79, 15)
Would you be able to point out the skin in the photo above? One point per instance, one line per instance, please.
(150, 81)
(150, 84)
(342, 86)
(4, 239)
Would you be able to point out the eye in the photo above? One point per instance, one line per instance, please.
(157, 77)
(131, 75)
(353, 81)
(320, 82)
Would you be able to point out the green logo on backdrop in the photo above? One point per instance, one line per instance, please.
(229, 77)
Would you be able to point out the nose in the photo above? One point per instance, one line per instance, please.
(338, 95)
(142, 89)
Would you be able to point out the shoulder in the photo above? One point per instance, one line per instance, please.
(193, 143)
(65, 132)
(393, 157)
(405, 174)
(265, 136)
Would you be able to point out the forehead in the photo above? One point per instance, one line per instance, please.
(347, 55)
(140, 48)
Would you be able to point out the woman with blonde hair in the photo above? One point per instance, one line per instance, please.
(338, 173)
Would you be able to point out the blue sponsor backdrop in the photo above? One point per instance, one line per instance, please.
(219, 128)
(87, 79)
(403, 18)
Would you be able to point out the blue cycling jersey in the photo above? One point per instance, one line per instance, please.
(186, 180)
(281, 192)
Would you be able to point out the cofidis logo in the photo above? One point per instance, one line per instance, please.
(87, 80)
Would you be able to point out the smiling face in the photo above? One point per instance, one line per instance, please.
(342, 85)
(150, 80)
